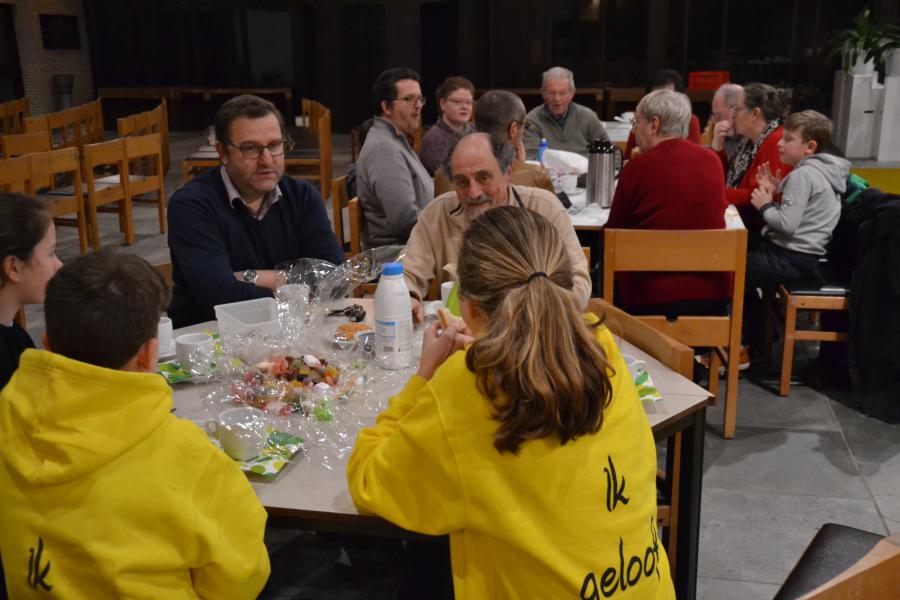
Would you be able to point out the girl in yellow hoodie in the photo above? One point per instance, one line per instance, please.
(530, 448)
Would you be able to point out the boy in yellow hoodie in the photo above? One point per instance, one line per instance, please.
(103, 492)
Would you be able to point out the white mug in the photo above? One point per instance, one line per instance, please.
(241, 431)
(189, 345)
(446, 288)
(635, 367)
(164, 335)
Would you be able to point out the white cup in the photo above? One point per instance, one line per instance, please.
(241, 431)
(164, 335)
(189, 345)
(568, 183)
(446, 288)
(635, 367)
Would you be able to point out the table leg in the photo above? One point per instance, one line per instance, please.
(685, 575)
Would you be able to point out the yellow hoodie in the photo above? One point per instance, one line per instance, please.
(555, 521)
(105, 494)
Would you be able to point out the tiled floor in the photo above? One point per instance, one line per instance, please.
(796, 462)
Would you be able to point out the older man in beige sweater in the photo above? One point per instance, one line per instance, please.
(481, 175)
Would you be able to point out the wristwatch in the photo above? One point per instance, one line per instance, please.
(250, 276)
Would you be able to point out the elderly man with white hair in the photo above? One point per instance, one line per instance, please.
(671, 184)
(564, 124)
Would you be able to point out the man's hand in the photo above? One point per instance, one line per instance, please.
(760, 197)
(722, 130)
(266, 279)
(437, 345)
(418, 313)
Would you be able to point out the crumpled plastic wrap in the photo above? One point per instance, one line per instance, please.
(307, 382)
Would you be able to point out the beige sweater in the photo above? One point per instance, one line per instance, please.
(437, 236)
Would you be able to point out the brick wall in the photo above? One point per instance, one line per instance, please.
(39, 65)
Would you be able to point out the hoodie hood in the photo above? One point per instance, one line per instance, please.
(835, 169)
(61, 418)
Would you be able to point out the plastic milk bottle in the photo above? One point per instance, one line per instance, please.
(393, 319)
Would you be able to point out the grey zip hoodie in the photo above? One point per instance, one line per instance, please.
(810, 204)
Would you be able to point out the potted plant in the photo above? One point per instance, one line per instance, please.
(886, 50)
(853, 45)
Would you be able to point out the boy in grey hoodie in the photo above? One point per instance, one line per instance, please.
(798, 228)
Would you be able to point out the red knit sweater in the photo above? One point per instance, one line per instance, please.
(740, 196)
(693, 136)
(676, 185)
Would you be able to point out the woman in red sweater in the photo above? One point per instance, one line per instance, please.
(672, 184)
(756, 116)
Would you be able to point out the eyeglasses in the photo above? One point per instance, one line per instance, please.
(411, 100)
(254, 151)
(460, 102)
(557, 95)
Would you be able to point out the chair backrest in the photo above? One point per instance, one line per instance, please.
(13, 115)
(144, 155)
(707, 250)
(152, 121)
(15, 175)
(355, 216)
(17, 144)
(668, 351)
(104, 154)
(339, 201)
(875, 575)
(36, 124)
(64, 167)
(323, 130)
(90, 119)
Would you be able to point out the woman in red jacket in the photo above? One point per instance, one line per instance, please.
(757, 116)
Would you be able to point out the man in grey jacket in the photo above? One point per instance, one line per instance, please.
(564, 124)
(798, 229)
(392, 183)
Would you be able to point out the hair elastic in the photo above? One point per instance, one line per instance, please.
(537, 274)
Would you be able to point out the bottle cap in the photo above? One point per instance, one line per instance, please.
(392, 268)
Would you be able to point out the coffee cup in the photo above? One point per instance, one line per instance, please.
(191, 347)
(635, 367)
(164, 335)
(241, 431)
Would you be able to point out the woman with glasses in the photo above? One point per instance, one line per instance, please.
(456, 102)
(757, 116)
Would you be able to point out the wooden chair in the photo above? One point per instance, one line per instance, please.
(146, 151)
(15, 175)
(90, 122)
(66, 128)
(17, 144)
(104, 191)
(796, 298)
(723, 250)
(13, 115)
(679, 358)
(165, 270)
(316, 168)
(63, 165)
(354, 213)
(146, 123)
(340, 201)
(843, 563)
(33, 124)
(615, 96)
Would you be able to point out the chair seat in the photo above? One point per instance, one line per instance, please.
(834, 549)
(835, 289)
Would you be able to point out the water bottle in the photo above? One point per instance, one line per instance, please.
(543, 146)
(393, 319)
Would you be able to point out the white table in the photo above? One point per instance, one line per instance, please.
(593, 218)
(617, 131)
(311, 492)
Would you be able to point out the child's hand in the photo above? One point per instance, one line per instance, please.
(766, 180)
(438, 345)
(760, 197)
